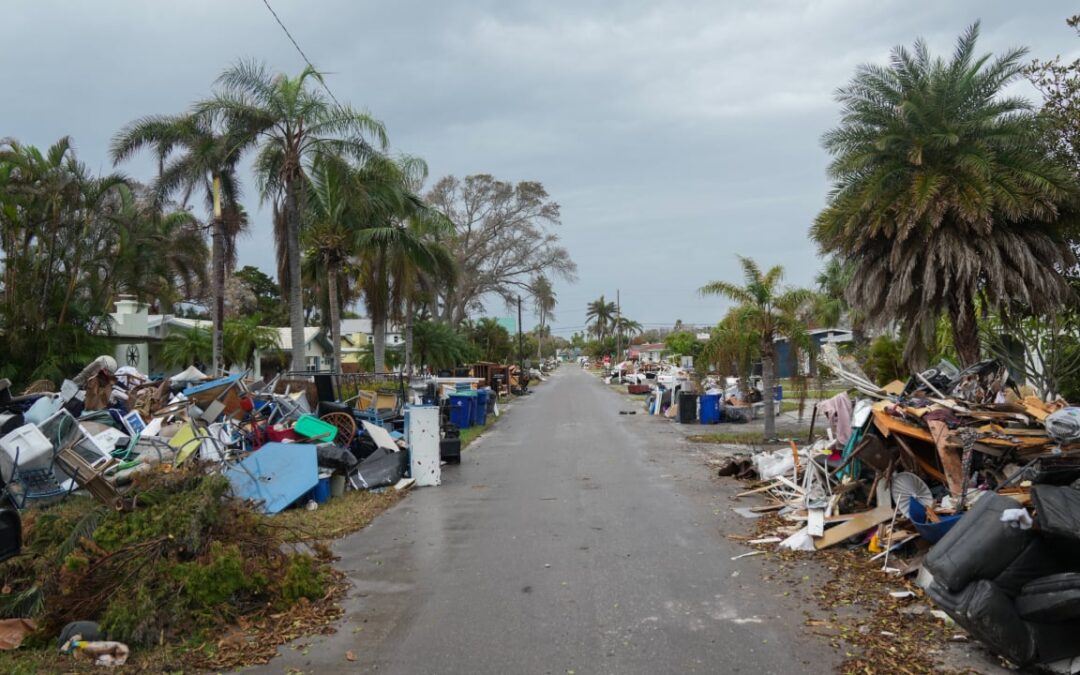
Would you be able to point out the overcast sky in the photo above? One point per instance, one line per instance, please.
(674, 134)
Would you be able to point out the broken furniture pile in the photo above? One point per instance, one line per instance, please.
(956, 476)
(297, 439)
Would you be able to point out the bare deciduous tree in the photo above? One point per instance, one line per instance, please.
(503, 240)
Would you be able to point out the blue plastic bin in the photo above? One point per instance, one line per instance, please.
(460, 411)
(710, 409)
(321, 492)
(480, 410)
(778, 392)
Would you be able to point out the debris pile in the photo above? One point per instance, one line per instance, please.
(139, 504)
(957, 477)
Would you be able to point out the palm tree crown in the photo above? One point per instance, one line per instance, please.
(942, 191)
(294, 122)
(770, 311)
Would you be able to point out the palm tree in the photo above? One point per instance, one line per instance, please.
(392, 250)
(57, 234)
(186, 347)
(197, 153)
(544, 299)
(437, 345)
(159, 255)
(628, 327)
(771, 312)
(295, 122)
(330, 234)
(601, 314)
(415, 280)
(244, 338)
(942, 192)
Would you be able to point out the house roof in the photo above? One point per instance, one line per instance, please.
(363, 325)
(650, 347)
(285, 336)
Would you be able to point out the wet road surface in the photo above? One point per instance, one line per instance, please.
(571, 539)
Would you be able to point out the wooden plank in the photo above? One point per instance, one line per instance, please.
(930, 469)
(815, 523)
(889, 425)
(951, 460)
(860, 523)
(770, 486)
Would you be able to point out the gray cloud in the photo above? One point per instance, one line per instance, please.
(674, 134)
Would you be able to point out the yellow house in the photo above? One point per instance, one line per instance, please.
(356, 340)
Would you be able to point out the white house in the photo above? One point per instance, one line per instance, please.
(138, 336)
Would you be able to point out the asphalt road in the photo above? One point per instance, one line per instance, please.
(571, 539)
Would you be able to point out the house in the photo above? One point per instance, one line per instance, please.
(138, 337)
(357, 336)
(785, 364)
(652, 352)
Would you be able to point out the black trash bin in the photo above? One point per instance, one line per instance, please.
(688, 404)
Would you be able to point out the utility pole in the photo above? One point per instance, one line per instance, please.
(521, 348)
(618, 327)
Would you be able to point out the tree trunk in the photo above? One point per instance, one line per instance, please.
(217, 262)
(378, 328)
(768, 382)
(965, 329)
(540, 337)
(409, 337)
(296, 304)
(335, 314)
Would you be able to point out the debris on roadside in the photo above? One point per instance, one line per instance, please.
(955, 478)
(116, 471)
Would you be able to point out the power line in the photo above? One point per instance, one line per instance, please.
(302, 54)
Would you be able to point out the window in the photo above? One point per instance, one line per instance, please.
(371, 339)
(397, 339)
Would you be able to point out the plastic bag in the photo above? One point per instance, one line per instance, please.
(1064, 425)
(769, 465)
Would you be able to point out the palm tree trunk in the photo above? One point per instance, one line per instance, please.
(540, 337)
(409, 336)
(292, 246)
(335, 314)
(965, 329)
(767, 381)
(378, 327)
(217, 262)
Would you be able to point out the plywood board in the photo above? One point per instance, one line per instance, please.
(860, 523)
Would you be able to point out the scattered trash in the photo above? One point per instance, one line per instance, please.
(748, 555)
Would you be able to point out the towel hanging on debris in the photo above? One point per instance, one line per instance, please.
(838, 410)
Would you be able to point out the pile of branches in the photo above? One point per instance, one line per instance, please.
(185, 563)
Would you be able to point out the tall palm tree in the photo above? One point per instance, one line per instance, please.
(544, 300)
(329, 233)
(601, 314)
(294, 121)
(769, 310)
(390, 248)
(415, 280)
(197, 153)
(942, 191)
